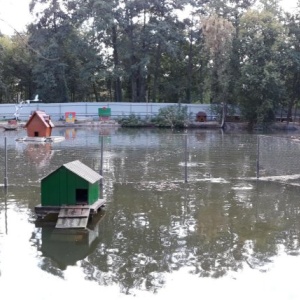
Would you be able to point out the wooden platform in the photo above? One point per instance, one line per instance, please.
(10, 127)
(73, 217)
(43, 211)
(51, 139)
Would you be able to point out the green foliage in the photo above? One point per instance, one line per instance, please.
(16, 69)
(2, 84)
(69, 67)
(218, 34)
(175, 116)
(97, 50)
(261, 85)
(133, 121)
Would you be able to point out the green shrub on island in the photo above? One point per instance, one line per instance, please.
(132, 121)
(175, 116)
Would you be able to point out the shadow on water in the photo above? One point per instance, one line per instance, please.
(66, 246)
(221, 221)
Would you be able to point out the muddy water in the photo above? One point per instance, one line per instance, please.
(185, 215)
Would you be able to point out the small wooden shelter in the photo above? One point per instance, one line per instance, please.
(201, 116)
(71, 191)
(73, 183)
(39, 125)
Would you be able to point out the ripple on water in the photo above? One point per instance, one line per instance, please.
(243, 187)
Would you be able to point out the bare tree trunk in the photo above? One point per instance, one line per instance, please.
(95, 92)
(189, 69)
(224, 109)
(117, 81)
(156, 72)
(289, 112)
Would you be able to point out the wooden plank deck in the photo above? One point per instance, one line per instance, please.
(67, 223)
(74, 211)
(73, 217)
(43, 211)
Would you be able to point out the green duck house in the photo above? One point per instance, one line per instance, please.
(72, 186)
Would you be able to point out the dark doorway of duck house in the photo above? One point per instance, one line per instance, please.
(81, 196)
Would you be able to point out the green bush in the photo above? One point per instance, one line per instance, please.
(175, 116)
(132, 121)
(172, 116)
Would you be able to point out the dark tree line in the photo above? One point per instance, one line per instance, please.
(233, 52)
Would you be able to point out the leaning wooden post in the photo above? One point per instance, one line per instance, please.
(185, 158)
(5, 163)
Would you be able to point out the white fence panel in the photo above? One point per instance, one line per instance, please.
(90, 109)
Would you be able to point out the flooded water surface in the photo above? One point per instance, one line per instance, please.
(185, 215)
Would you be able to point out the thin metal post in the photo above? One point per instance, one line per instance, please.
(101, 158)
(185, 159)
(5, 164)
(257, 158)
(5, 210)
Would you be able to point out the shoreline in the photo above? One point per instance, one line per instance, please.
(229, 126)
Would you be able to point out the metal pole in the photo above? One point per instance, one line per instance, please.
(5, 210)
(5, 166)
(101, 159)
(257, 158)
(185, 158)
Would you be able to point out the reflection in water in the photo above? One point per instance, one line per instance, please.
(70, 133)
(66, 246)
(4, 209)
(156, 226)
(212, 237)
(39, 154)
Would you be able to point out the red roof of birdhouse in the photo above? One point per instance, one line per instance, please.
(46, 120)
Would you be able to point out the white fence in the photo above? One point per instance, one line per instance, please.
(90, 109)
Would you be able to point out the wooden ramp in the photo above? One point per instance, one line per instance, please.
(73, 217)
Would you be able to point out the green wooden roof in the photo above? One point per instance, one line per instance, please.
(83, 171)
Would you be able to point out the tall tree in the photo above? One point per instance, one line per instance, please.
(69, 66)
(290, 62)
(3, 92)
(49, 37)
(235, 9)
(167, 36)
(102, 21)
(261, 82)
(218, 33)
(17, 64)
